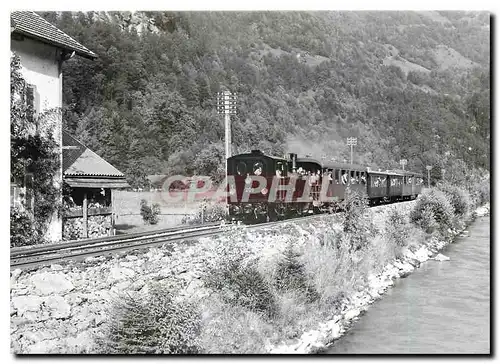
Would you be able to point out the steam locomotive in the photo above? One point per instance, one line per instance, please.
(271, 188)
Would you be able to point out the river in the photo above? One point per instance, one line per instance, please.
(442, 307)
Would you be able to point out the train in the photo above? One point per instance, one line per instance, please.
(266, 187)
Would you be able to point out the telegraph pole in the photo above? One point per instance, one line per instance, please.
(403, 163)
(352, 142)
(428, 176)
(226, 105)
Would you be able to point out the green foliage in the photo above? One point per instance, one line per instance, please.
(151, 324)
(290, 274)
(458, 198)
(150, 214)
(240, 283)
(22, 232)
(432, 210)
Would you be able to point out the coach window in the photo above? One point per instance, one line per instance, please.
(363, 178)
(344, 177)
(241, 168)
(258, 168)
(280, 169)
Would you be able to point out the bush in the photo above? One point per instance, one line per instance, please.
(458, 198)
(331, 267)
(432, 210)
(213, 213)
(481, 191)
(232, 329)
(397, 228)
(150, 214)
(22, 231)
(154, 324)
(239, 282)
(356, 225)
(290, 275)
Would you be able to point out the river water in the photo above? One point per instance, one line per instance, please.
(442, 307)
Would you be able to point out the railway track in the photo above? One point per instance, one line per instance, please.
(26, 257)
(45, 254)
(77, 250)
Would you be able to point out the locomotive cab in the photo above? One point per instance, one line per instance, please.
(255, 163)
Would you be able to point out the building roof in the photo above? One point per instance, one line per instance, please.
(157, 179)
(32, 25)
(78, 160)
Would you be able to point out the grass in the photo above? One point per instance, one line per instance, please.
(127, 206)
(260, 294)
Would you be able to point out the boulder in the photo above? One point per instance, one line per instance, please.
(51, 283)
(26, 303)
(118, 274)
(349, 315)
(441, 257)
(58, 307)
(15, 273)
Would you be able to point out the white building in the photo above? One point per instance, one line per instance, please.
(42, 49)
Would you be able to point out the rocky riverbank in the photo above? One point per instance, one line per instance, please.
(353, 307)
(63, 308)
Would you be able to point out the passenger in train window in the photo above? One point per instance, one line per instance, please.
(344, 178)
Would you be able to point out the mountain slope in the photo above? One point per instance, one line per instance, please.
(408, 85)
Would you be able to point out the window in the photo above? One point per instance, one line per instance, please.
(280, 169)
(241, 168)
(258, 168)
(344, 177)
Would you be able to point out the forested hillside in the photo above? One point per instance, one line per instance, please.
(407, 85)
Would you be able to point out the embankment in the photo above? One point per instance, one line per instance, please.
(64, 308)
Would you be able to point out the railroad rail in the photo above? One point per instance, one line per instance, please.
(26, 257)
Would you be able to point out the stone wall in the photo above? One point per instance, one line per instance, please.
(98, 226)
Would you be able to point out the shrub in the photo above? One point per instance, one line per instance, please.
(331, 267)
(290, 274)
(213, 213)
(239, 281)
(356, 225)
(232, 329)
(22, 231)
(150, 214)
(154, 324)
(397, 228)
(432, 210)
(481, 191)
(458, 198)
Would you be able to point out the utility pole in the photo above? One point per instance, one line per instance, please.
(352, 142)
(226, 105)
(403, 163)
(428, 176)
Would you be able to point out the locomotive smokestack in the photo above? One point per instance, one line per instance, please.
(293, 158)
